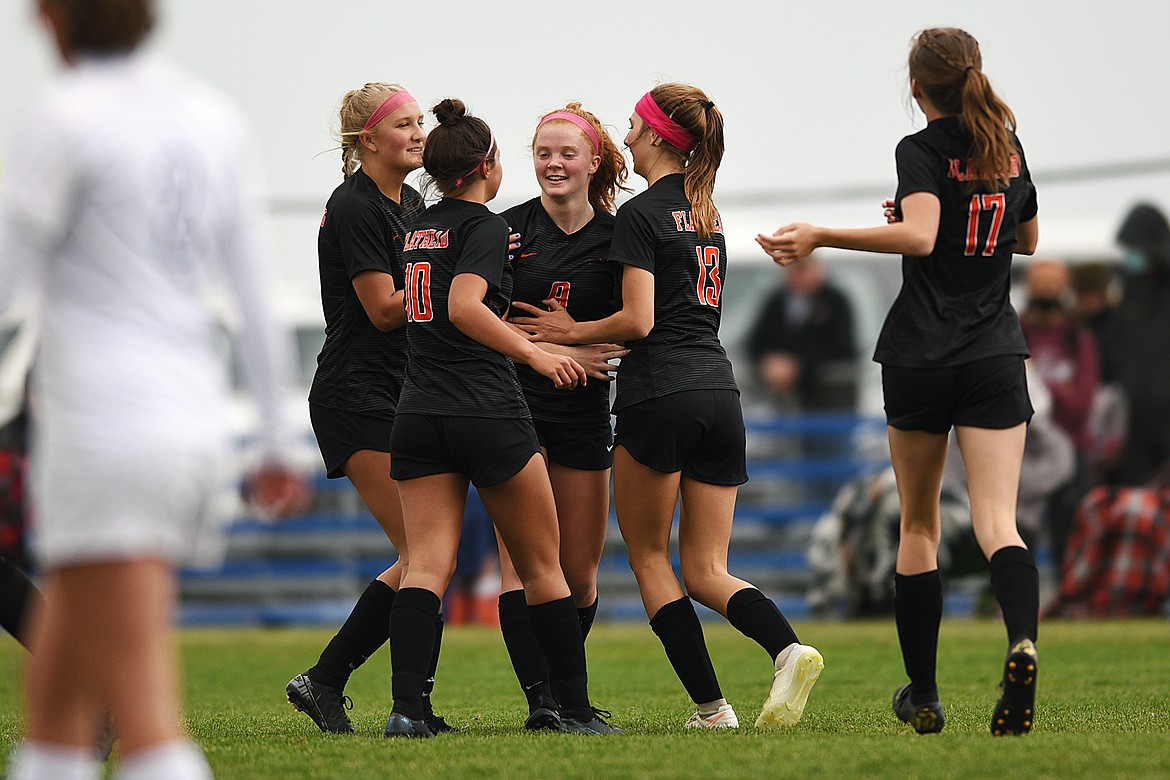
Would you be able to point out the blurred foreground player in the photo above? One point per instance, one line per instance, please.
(129, 188)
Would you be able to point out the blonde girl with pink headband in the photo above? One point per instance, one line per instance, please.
(362, 365)
(562, 262)
(680, 429)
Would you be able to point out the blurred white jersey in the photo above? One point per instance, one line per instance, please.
(126, 192)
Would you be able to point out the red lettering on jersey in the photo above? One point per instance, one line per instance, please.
(417, 294)
(425, 239)
(710, 283)
(559, 292)
(682, 221)
(961, 170)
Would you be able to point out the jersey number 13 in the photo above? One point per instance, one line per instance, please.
(710, 282)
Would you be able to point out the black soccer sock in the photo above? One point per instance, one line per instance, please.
(1017, 589)
(524, 650)
(412, 624)
(918, 603)
(586, 616)
(681, 633)
(558, 630)
(757, 617)
(18, 597)
(429, 683)
(365, 630)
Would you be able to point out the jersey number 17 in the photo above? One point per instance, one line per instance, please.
(992, 203)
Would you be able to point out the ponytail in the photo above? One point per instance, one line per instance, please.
(690, 108)
(357, 106)
(947, 64)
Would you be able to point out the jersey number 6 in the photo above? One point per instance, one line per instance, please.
(710, 283)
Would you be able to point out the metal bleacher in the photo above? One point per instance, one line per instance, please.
(309, 569)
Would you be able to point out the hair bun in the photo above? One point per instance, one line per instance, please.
(449, 110)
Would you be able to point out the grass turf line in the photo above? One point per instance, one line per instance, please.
(1103, 708)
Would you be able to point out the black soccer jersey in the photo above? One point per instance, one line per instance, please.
(448, 373)
(682, 352)
(575, 270)
(360, 368)
(953, 307)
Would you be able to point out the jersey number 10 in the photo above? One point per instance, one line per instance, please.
(993, 203)
(417, 295)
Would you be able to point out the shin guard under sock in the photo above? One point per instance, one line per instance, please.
(365, 630)
(523, 650)
(757, 617)
(412, 624)
(558, 630)
(681, 633)
(918, 605)
(1017, 589)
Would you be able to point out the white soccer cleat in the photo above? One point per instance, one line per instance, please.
(723, 718)
(797, 668)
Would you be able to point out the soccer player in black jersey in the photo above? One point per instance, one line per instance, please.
(563, 261)
(952, 354)
(680, 428)
(363, 362)
(462, 416)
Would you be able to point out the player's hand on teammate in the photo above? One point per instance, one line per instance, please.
(277, 491)
(513, 243)
(553, 325)
(594, 358)
(889, 212)
(790, 243)
(564, 372)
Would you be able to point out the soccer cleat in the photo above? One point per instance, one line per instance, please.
(399, 725)
(722, 718)
(1016, 707)
(324, 704)
(439, 725)
(590, 723)
(543, 719)
(794, 678)
(925, 718)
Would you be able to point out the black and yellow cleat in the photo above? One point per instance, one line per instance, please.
(926, 718)
(1015, 710)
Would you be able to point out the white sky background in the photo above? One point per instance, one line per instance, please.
(814, 93)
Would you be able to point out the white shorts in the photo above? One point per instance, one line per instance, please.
(170, 500)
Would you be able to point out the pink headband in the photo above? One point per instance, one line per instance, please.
(491, 145)
(586, 127)
(388, 107)
(667, 129)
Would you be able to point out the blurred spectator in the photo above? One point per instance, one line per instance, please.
(1140, 342)
(1064, 353)
(1094, 299)
(1065, 359)
(802, 344)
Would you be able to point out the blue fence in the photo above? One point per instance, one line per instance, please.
(309, 569)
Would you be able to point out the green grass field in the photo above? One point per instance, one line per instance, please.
(1103, 708)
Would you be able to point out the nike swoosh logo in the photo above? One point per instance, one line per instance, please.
(534, 685)
(527, 254)
(609, 448)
